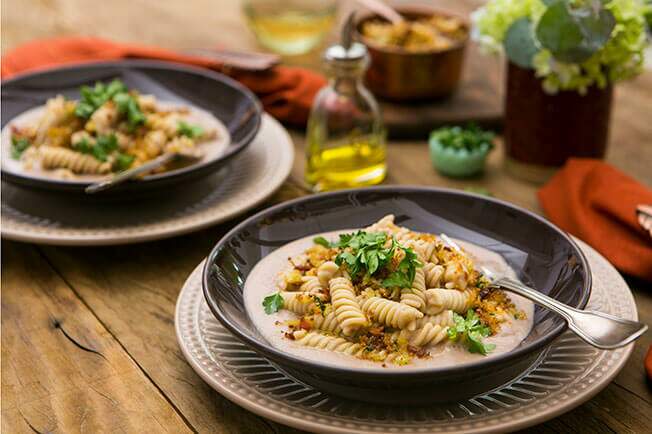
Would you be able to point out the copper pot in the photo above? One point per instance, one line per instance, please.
(401, 75)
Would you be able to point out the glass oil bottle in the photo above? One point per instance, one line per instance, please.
(346, 138)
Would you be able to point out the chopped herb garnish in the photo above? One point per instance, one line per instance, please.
(123, 161)
(366, 253)
(104, 145)
(322, 242)
(188, 130)
(320, 304)
(18, 146)
(273, 303)
(83, 146)
(470, 138)
(470, 331)
(92, 98)
(127, 105)
(404, 274)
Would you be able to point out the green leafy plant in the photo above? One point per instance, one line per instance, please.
(570, 44)
(472, 138)
(273, 303)
(470, 331)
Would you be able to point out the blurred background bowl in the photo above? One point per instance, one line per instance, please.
(398, 74)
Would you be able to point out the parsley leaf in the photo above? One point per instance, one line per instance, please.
(18, 146)
(127, 105)
(104, 145)
(188, 130)
(470, 331)
(273, 303)
(93, 97)
(123, 161)
(367, 252)
(322, 242)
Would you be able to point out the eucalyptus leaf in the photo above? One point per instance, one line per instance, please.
(520, 45)
(574, 34)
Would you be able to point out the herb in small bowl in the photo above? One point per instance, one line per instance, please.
(460, 152)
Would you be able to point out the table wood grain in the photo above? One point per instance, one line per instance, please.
(88, 342)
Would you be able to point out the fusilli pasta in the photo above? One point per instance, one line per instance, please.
(391, 313)
(343, 298)
(63, 158)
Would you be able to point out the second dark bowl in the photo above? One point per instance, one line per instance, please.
(542, 255)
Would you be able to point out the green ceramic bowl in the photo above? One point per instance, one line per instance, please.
(457, 163)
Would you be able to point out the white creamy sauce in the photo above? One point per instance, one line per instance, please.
(262, 282)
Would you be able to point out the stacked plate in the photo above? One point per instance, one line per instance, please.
(249, 168)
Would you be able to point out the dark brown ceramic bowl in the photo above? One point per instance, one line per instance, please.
(400, 75)
(542, 255)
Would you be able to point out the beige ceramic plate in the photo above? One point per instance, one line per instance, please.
(569, 373)
(251, 178)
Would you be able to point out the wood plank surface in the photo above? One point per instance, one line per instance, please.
(119, 301)
(62, 370)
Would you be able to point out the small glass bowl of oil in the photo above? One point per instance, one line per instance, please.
(290, 27)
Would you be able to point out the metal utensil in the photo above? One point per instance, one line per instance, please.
(128, 174)
(248, 61)
(599, 329)
(644, 214)
(383, 10)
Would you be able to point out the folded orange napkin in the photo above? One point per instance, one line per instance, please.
(597, 203)
(286, 92)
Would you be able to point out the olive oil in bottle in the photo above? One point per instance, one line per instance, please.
(345, 139)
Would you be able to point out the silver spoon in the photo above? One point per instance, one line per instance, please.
(128, 174)
(599, 329)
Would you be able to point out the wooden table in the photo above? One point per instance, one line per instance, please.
(88, 341)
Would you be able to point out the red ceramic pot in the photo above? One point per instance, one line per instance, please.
(543, 130)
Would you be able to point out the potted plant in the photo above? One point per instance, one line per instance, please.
(460, 152)
(563, 58)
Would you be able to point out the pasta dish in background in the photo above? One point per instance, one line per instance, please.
(110, 129)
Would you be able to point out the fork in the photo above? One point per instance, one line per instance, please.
(598, 329)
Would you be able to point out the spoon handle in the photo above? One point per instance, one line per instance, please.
(126, 175)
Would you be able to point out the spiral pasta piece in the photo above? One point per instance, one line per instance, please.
(311, 285)
(391, 313)
(347, 309)
(300, 303)
(439, 299)
(424, 249)
(455, 276)
(429, 334)
(327, 271)
(444, 319)
(434, 274)
(63, 158)
(327, 342)
(326, 322)
(416, 295)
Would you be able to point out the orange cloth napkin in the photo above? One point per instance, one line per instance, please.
(597, 203)
(286, 92)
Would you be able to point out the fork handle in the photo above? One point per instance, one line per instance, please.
(540, 298)
(128, 174)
